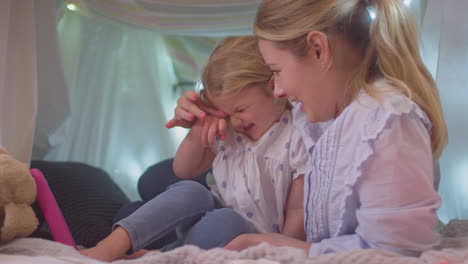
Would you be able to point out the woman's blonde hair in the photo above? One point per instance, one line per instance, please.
(388, 43)
(235, 64)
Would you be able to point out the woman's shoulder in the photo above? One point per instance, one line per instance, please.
(373, 113)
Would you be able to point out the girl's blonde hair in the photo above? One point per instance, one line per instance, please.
(388, 43)
(235, 64)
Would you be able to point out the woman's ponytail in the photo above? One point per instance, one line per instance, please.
(393, 52)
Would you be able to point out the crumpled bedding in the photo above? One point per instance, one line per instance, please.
(40, 251)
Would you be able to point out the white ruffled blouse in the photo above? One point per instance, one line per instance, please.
(253, 178)
(369, 178)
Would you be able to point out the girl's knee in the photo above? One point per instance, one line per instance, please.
(189, 186)
(232, 221)
(217, 228)
(192, 191)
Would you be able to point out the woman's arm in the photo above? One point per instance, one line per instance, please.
(293, 234)
(249, 240)
(294, 211)
(398, 202)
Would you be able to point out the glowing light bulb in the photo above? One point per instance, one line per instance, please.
(72, 7)
(372, 12)
(407, 2)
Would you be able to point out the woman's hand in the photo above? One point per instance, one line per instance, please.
(249, 240)
(190, 108)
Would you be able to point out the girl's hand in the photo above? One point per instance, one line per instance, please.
(211, 128)
(190, 108)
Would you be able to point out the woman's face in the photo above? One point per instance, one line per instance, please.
(302, 79)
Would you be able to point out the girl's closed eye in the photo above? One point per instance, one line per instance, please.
(241, 109)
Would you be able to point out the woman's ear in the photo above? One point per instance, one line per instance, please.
(319, 47)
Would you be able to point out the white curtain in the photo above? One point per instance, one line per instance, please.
(18, 77)
(120, 81)
(445, 52)
(53, 103)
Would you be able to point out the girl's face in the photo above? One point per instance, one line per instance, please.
(251, 111)
(302, 79)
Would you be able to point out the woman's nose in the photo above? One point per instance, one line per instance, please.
(278, 92)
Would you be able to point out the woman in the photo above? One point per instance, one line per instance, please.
(371, 120)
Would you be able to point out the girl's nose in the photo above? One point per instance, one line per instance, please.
(235, 121)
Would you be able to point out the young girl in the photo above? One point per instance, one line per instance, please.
(375, 124)
(257, 159)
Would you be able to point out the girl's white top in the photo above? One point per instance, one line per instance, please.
(369, 179)
(253, 178)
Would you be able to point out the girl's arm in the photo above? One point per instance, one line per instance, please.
(193, 157)
(294, 211)
(190, 108)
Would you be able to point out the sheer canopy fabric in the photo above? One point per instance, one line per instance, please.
(18, 77)
(120, 81)
(445, 52)
(180, 17)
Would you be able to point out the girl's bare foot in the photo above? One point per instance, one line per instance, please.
(110, 248)
(100, 253)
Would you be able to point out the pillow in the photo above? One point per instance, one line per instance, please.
(87, 196)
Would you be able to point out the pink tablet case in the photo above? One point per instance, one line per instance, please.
(52, 214)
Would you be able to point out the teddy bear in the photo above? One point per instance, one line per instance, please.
(17, 193)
